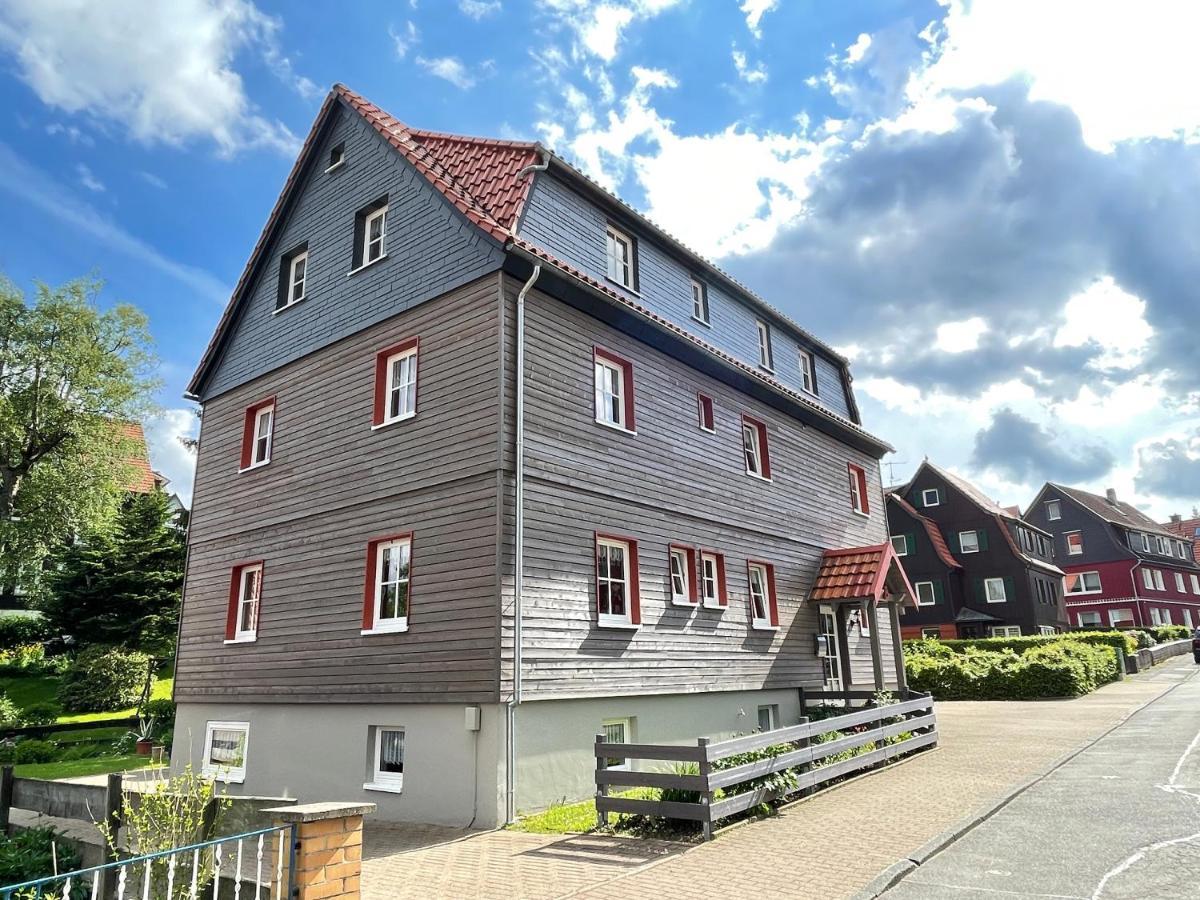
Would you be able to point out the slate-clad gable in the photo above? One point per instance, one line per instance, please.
(431, 249)
(571, 227)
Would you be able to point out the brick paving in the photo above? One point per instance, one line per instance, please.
(830, 845)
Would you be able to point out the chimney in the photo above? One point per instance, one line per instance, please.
(1111, 494)
(1176, 518)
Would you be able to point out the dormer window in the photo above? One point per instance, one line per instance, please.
(808, 379)
(931, 497)
(1053, 510)
(293, 277)
(370, 234)
(764, 346)
(620, 258)
(699, 301)
(337, 156)
(1145, 542)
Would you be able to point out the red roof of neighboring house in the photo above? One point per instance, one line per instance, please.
(1187, 528)
(858, 573)
(142, 478)
(935, 534)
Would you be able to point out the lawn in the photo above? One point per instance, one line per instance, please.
(25, 691)
(77, 767)
(572, 818)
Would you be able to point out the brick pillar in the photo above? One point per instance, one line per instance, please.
(328, 860)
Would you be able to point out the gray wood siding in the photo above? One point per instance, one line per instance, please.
(669, 483)
(332, 484)
(431, 249)
(573, 229)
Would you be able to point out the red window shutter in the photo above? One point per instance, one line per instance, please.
(235, 584)
(635, 593)
(693, 582)
(705, 405)
(369, 590)
(722, 592)
(766, 453)
(381, 377)
(772, 599)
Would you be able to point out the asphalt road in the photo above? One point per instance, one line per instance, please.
(1119, 821)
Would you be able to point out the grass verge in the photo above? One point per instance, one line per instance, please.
(571, 818)
(26, 691)
(78, 767)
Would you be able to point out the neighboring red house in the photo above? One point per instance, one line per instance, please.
(1186, 528)
(1123, 568)
(142, 478)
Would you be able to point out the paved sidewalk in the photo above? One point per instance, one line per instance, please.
(828, 846)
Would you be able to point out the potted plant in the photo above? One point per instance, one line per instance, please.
(143, 735)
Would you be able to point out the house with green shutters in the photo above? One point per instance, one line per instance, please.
(976, 568)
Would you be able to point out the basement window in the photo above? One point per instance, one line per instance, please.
(387, 760)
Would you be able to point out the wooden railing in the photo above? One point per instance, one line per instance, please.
(913, 721)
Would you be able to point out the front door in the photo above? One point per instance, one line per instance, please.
(832, 661)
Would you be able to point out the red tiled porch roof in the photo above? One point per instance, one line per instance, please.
(859, 573)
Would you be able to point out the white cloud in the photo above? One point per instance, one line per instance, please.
(448, 68)
(1127, 72)
(754, 11)
(479, 9)
(30, 185)
(404, 39)
(71, 132)
(88, 180)
(163, 71)
(1110, 317)
(153, 180)
(600, 26)
(959, 337)
(755, 74)
(856, 51)
(167, 454)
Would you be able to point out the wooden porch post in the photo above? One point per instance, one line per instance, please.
(867, 614)
(898, 645)
(839, 622)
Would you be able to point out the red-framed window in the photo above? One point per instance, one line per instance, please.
(764, 605)
(396, 383)
(755, 448)
(681, 573)
(614, 390)
(618, 595)
(704, 406)
(714, 593)
(859, 501)
(387, 594)
(258, 434)
(245, 602)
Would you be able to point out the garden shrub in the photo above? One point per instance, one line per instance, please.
(1164, 633)
(41, 714)
(10, 715)
(681, 795)
(1145, 640)
(18, 630)
(1117, 639)
(24, 659)
(35, 751)
(162, 711)
(104, 679)
(1062, 668)
(780, 783)
(27, 854)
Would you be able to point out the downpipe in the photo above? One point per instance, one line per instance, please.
(510, 730)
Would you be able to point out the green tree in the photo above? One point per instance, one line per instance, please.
(70, 372)
(121, 585)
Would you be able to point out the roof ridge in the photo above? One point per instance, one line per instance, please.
(472, 139)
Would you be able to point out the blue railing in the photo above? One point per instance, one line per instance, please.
(183, 873)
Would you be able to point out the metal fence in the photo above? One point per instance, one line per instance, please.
(893, 730)
(184, 873)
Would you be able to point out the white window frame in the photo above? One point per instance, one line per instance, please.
(713, 602)
(1089, 613)
(614, 240)
(772, 711)
(406, 390)
(763, 594)
(1155, 616)
(1053, 510)
(609, 620)
(1072, 551)
(936, 636)
(937, 497)
(808, 372)
(1006, 631)
(752, 449)
(606, 396)
(1187, 617)
(1179, 583)
(700, 398)
(219, 771)
(765, 358)
(1164, 546)
(1159, 584)
(700, 311)
(392, 782)
(1082, 580)
(380, 625)
(293, 264)
(917, 593)
(963, 547)
(368, 220)
(678, 557)
(857, 500)
(1117, 616)
(1145, 542)
(268, 440)
(1195, 579)
(627, 730)
(1046, 630)
(1182, 548)
(902, 550)
(1147, 579)
(240, 634)
(987, 592)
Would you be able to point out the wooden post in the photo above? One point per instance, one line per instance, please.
(705, 766)
(805, 768)
(6, 794)
(112, 816)
(898, 649)
(839, 623)
(601, 789)
(867, 614)
(328, 852)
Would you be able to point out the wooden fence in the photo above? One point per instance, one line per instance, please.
(913, 721)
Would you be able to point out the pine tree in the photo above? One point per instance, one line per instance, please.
(122, 585)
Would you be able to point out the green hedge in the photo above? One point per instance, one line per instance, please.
(1164, 633)
(1117, 639)
(1068, 668)
(104, 679)
(18, 630)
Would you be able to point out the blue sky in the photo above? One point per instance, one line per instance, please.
(991, 208)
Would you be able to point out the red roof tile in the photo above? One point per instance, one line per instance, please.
(142, 479)
(858, 573)
(935, 534)
(1186, 528)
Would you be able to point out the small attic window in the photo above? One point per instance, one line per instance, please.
(337, 156)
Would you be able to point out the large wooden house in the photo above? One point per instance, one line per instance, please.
(1123, 568)
(977, 570)
(489, 464)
